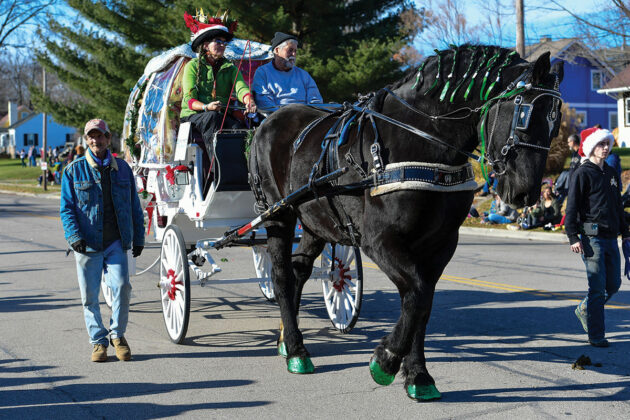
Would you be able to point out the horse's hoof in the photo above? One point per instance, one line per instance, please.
(282, 349)
(300, 365)
(379, 376)
(423, 392)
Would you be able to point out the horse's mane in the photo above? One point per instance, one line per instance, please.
(480, 57)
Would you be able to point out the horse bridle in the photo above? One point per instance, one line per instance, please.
(520, 120)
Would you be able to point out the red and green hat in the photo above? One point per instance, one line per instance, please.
(205, 28)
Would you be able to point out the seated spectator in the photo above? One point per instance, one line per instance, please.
(49, 178)
(546, 212)
(491, 185)
(500, 212)
(57, 168)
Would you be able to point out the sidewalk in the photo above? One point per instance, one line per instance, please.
(515, 234)
(49, 196)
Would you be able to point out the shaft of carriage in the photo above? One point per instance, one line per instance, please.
(292, 198)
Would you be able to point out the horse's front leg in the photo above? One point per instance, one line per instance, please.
(279, 242)
(419, 384)
(401, 269)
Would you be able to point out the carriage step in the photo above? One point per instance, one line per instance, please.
(203, 276)
(203, 254)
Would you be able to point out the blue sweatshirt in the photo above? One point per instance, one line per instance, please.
(273, 88)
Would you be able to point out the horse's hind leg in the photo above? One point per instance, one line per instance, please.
(303, 258)
(280, 233)
(308, 250)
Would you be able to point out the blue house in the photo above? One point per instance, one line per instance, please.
(584, 74)
(20, 130)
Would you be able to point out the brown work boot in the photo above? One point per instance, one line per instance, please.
(99, 353)
(123, 352)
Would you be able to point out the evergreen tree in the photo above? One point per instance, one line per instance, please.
(348, 46)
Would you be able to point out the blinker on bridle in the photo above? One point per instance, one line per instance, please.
(520, 121)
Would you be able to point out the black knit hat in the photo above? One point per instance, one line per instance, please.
(279, 38)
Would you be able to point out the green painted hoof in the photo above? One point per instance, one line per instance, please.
(300, 365)
(378, 375)
(423, 392)
(282, 349)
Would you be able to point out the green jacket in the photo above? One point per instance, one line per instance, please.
(225, 77)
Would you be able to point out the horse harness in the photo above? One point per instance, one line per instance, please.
(385, 178)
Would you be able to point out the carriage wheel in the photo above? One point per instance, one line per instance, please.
(343, 285)
(175, 284)
(107, 292)
(262, 265)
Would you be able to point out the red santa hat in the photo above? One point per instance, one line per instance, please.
(205, 28)
(591, 137)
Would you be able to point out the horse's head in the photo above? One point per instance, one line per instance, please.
(517, 128)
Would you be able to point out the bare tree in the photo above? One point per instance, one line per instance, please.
(606, 29)
(20, 15)
(446, 24)
(19, 70)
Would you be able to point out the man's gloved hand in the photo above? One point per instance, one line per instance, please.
(136, 251)
(79, 246)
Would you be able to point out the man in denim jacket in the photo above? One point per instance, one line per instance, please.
(102, 219)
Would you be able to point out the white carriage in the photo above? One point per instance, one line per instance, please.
(194, 193)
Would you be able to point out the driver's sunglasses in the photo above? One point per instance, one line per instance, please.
(220, 43)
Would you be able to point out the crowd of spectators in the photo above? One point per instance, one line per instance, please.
(548, 211)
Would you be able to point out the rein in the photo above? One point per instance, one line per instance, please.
(514, 90)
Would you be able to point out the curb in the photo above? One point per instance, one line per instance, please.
(49, 196)
(518, 234)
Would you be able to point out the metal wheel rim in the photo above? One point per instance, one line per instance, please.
(262, 265)
(344, 305)
(175, 306)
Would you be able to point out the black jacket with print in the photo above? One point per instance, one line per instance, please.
(594, 198)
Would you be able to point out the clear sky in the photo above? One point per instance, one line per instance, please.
(539, 20)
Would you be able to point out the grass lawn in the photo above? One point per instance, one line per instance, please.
(13, 177)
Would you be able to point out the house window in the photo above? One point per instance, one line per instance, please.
(627, 111)
(580, 119)
(31, 139)
(612, 120)
(597, 79)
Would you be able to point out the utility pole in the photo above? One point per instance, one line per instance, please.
(45, 166)
(520, 28)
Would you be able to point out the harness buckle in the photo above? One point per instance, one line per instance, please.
(518, 100)
(375, 151)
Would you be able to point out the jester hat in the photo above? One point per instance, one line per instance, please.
(205, 28)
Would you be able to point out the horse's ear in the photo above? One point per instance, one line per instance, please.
(541, 69)
(558, 69)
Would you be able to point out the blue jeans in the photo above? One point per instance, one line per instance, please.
(90, 268)
(498, 219)
(603, 270)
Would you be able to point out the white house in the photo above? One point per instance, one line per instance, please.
(21, 128)
(619, 89)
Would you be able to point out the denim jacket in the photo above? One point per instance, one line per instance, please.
(81, 205)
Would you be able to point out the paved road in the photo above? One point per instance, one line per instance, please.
(500, 343)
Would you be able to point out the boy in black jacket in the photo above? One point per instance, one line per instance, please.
(594, 219)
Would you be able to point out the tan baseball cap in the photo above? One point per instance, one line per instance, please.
(96, 124)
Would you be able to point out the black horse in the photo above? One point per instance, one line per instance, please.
(410, 185)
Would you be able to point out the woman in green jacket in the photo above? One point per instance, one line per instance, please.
(207, 80)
